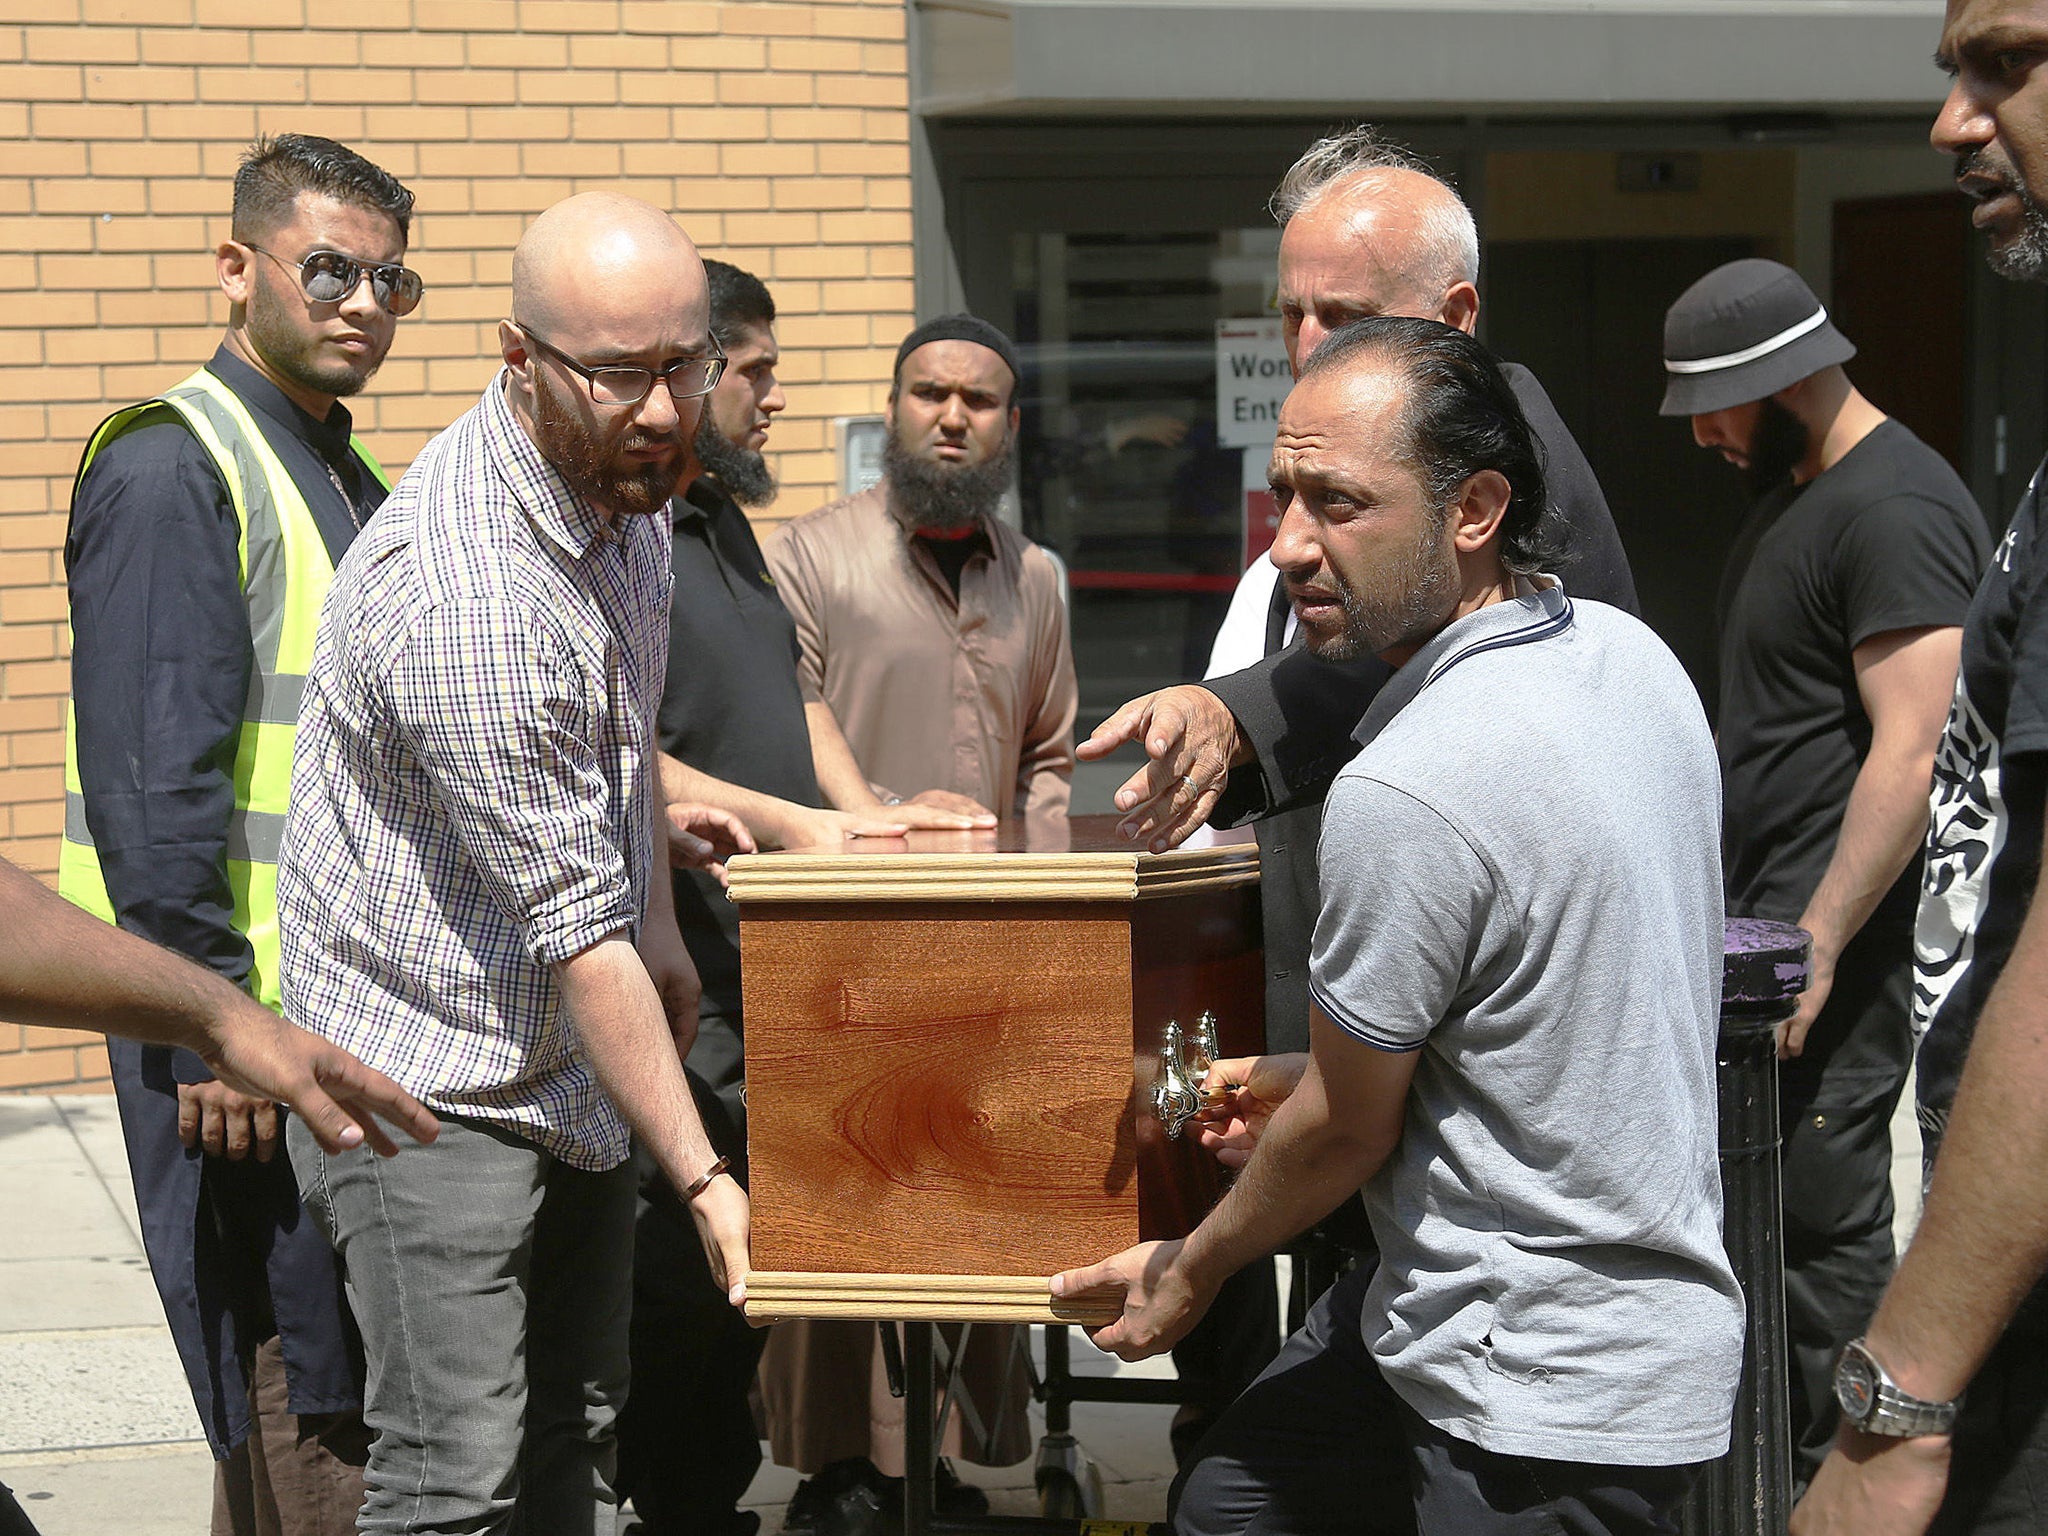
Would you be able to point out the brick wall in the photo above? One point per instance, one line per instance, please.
(776, 132)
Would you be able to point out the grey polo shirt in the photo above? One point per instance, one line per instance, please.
(1521, 882)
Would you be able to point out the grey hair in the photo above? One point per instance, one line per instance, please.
(1446, 222)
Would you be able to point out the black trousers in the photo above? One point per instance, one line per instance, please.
(1321, 1445)
(687, 1444)
(1224, 1353)
(13, 1521)
(1835, 1106)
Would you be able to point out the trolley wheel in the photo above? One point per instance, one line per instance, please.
(1062, 1495)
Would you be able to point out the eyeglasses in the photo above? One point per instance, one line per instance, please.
(687, 378)
(328, 277)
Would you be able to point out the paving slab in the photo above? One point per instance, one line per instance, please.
(60, 1210)
(84, 1389)
(33, 1131)
(97, 1431)
(95, 1121)
(153, 1491)
(40, 1295)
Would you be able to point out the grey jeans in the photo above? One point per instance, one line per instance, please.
(492, 1283)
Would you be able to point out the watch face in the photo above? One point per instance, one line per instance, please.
(1855, 1386)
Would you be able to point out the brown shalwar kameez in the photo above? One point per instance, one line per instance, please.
(975, 695)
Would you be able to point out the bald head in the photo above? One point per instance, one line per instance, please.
(607, 295)
(1406, 222)
(600, 261)
(1380, 240)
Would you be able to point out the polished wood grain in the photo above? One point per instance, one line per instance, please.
(1196, 955)
(932, 1298)
(949, 1071)
(939, 1090)
(1081, 860)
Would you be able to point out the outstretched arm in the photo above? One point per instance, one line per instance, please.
(62, 968)
(846, 788)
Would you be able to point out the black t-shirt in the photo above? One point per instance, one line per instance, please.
(1990, 777)
(732, 707)
(1886, 539)
(951, 555)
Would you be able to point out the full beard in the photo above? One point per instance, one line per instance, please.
(597, 471)
(2024, 258)
(945, 498)
(1405, 608)
(296, 355)
(1777, 445)
(743, 473)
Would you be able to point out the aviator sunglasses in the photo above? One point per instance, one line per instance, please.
(328, 277)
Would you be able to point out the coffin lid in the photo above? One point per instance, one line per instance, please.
(1077, 859)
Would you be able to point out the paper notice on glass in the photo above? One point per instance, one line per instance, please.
(1252, 378)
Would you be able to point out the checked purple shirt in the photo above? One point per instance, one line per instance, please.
(470, 791)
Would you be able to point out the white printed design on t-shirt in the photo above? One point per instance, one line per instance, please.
(1966, 832)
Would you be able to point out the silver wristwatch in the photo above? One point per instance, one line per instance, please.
(1874, 1403)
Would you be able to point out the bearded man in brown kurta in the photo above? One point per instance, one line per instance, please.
(938, 638)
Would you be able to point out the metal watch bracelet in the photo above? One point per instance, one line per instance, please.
(1877, 1405)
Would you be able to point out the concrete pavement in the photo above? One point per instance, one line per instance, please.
(97, 1430)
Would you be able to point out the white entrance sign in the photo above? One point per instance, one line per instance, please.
(1252, 378)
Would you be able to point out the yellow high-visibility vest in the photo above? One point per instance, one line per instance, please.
(285, 571)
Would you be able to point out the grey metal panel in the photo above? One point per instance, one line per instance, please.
(1495, 58)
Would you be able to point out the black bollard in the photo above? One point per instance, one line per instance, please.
(1748, 1492)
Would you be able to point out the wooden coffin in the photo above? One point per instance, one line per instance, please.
(956, 1050)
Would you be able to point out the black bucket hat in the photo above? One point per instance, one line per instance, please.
(1744, 331)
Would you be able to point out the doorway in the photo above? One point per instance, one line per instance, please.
(1587, 318)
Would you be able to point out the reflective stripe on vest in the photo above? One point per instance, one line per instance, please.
(285, 571)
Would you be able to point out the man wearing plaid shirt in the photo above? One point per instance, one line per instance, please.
(465, 892)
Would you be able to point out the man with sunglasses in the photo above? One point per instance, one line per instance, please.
(472, 896)
(204, 531)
